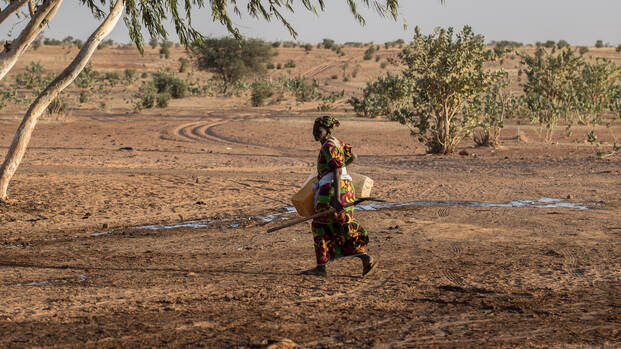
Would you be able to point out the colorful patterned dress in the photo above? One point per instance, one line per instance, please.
(337, 234)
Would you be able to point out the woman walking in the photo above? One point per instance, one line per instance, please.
(337, 234)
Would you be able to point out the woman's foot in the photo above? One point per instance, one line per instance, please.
(368, 264)
(319, 270)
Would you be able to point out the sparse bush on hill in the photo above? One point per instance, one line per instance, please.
(368, 53)
(232, 60)
(32, 78)
(165, 82)
(303, 91)
(163, 99)
(86, 78)
(354, 44)
(165, 47)
(290, 64)
(130, 75)
(599, 44)
(561, 44)
(106, 43)
(37, 43)
(583, 50)
(184, 64)
(84, 97)
(52, 42)
(154, 43)
(6, 96)
(145, 97)
(113, 78)
(328, 43)
(261, 90)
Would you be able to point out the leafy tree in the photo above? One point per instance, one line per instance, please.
(232, 60)
(139, 17)
(561, 44)
(491, 109)
(618, 49)
(328, 43)
(446, 73)
(596, 90)
(599, 44)
(383, 96)
(549, 44)
(549, 92)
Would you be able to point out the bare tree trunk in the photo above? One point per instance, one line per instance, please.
(10, 9)
(38, 20)
(24, 132)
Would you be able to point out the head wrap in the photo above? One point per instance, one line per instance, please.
(328, 122)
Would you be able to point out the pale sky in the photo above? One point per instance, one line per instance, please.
(581, 22)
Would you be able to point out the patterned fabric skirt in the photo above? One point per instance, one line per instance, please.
(337, 234)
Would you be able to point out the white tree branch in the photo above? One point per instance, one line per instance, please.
(11, 8)
(45, 12)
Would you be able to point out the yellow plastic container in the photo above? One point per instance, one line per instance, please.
(303, 199)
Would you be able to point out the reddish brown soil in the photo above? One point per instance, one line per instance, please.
(448, 276)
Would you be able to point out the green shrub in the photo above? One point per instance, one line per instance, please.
(549, 90)
(378, 58)
(308, 47)
(549, 44)
(328, 43)
(163, 99)
(618, 49)
(52, 42)
(561, 44)
(36, 44)
(276, 44)
(444, 73)
(168, 83)
(130, 75)
(279, 66)
(383, 65)
(84, 96)
(145, 97)
(270, 66)
(303, 91)
(583, 50)
(368, 53)
(261, 90)
(184, 63)
(57, 106)
(290, 64)
(113, 78)
(599, 44)
(165, 49)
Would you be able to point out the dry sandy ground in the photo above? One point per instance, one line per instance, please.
(449, 276)
(76, 272)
